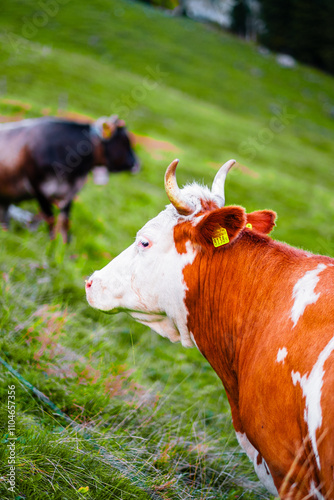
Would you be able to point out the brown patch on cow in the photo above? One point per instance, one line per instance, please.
(245, 170)
(208, 205)
(259, 460)
(232, 219)
(153, 144)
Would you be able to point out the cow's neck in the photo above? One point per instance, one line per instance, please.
(231, 296)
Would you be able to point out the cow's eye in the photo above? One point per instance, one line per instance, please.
(144, 243)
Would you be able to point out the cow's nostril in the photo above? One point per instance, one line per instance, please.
(89, 283)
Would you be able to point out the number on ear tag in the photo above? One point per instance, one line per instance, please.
(220, 237)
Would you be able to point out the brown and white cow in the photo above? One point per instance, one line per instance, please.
(260, 311)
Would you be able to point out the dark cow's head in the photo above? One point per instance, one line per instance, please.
(116, 143)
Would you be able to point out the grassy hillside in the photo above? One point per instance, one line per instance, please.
(157, 409)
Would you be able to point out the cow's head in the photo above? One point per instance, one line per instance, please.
(116, 143)
(146, 280)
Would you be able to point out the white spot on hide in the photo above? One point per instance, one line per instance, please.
(303, 292)
(312, 385)
(281, 355)
(61, 192)
(261, 469)
(315, 492)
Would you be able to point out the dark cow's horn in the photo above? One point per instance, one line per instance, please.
(173, 191)
(219, 181)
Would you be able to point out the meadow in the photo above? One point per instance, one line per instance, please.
(148, 419)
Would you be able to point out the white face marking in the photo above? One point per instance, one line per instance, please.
(261, 468)
(281, 355)
(146, 280)
(303, 292)
(312, 385)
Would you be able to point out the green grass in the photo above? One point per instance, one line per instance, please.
(157, 408)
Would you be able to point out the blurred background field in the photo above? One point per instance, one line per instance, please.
(186, 90)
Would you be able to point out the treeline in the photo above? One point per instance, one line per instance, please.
(303, 29)
(166, 4)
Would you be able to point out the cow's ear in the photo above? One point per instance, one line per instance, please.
(262, 221)
(108, 128)
(221, 226)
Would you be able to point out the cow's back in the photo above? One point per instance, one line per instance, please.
(63, 143)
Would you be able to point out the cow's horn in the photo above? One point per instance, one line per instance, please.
(173, 191)
(219, 181)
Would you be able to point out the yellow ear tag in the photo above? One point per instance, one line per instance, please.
(107, 132)
(220, 237)
(249, 225)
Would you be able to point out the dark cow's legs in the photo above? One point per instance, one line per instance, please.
(47, 212)
(63, 223)
(4, 216)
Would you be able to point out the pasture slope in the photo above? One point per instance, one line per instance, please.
(153, 418)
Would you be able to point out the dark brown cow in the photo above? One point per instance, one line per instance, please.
(49, 159)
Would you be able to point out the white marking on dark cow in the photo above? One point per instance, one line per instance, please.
(52, 187)
(281, 355)
(303, 292)
(312, 386)
(63, 192)
(22, 123)
(261, 468)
